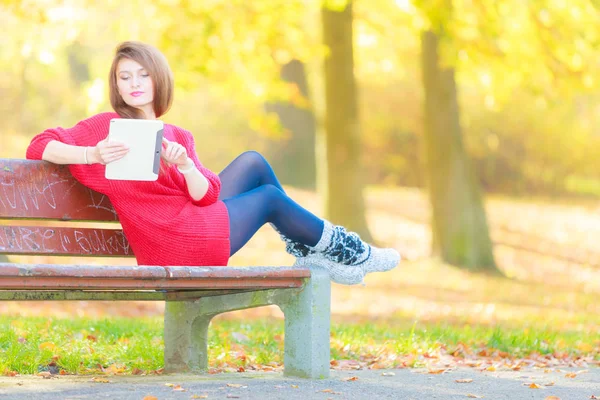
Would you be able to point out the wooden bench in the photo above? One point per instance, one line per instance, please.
(36, 190)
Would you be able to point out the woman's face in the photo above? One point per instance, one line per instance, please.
(135, 86)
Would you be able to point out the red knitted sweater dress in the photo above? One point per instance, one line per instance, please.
(162, 223)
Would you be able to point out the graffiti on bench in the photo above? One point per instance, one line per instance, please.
(36, 189)
(63, 241)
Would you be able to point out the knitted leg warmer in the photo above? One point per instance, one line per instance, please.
(346, 248)
(292, 247)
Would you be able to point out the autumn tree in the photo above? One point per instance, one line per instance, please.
(344, 202)
(459, 227)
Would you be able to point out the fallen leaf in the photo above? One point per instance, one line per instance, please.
(47, 345)
(467, 380)
(592, 397)
(549, 384)
(350, 379)
(150, 398)
(10, 373)
(388, 374)
(169, 384)
(491, 368)
(178, 388)
(199, 396)
(552, 398)
(436, 371)
(327, 390)
(45, 375)
(235, 385)
(514, 367)
(114, 369)
(534, 386)
(571, 375)
(99, 380)
(232, 396)
(295, 386)
(474, 396)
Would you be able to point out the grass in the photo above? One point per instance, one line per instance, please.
(119, 345)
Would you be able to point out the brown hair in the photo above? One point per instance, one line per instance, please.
(157, 67)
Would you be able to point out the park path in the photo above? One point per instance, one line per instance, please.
(362, 384)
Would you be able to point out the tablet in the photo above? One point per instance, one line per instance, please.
(144, 138)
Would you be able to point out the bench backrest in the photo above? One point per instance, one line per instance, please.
(37, 190)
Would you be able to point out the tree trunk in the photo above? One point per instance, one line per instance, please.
(294, 160)
(459, 227)
(344, 203)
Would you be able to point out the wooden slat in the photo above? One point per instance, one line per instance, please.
(31, 271)
(148, 272)
(53, 277)
(38, 189)
(132, 284)
(236, 272)
(63, 241)
(115, 295)
(196, 294)
(43, 295)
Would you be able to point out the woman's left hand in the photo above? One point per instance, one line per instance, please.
(174, 154)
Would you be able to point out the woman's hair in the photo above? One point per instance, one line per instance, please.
(157, 67)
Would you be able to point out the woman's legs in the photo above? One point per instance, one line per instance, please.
(250, 210)
(254, 196)
(247, 172)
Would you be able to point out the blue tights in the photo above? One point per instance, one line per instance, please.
(254, 197)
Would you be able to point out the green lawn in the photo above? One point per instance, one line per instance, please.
(119, 345)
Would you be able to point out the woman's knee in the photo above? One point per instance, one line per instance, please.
(271, 192)
(255, 160)
(273, 200)
(274, 195)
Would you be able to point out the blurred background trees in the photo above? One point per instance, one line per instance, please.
(525, 105)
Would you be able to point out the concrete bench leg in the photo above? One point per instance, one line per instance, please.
(307, 329)
(306, 310)
(186, 337)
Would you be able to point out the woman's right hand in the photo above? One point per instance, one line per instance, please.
(106, 152)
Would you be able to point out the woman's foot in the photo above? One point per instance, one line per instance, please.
(347, 248)
(339, 273)
(347, 258)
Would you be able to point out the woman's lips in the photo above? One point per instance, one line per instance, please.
(136, 94)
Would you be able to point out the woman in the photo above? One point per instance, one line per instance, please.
(191, 216)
